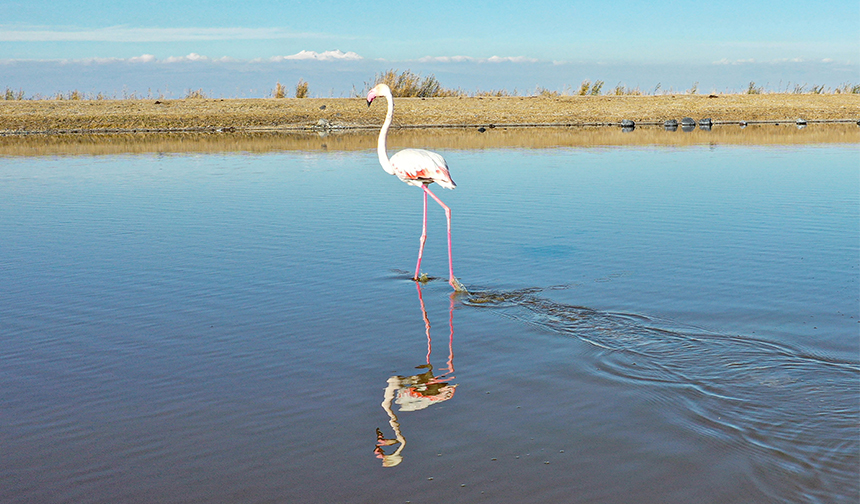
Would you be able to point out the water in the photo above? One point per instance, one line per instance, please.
(645, 324)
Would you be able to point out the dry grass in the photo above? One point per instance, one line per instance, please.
(302, 89)
(199, 113)
(280, 91)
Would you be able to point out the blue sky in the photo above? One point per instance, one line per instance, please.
(237, 48)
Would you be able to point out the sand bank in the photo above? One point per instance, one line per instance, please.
(257, 115)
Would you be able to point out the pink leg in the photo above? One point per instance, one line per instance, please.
(423, 239)
(451, 279)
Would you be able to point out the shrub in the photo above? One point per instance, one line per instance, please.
(191, 93)
(546, 93)
(622, 90)
(497, 93)
(844, 88)
(280, 91)
(12, 95)
(409, 84)
(302, 89)
(583, 88)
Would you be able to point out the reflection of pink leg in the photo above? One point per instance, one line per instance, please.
(423, 238)
(448, 218)
(426, 321)
(451, 338)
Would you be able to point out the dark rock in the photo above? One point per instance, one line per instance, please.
(688, 124)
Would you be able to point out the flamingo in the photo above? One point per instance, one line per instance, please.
(420, 168)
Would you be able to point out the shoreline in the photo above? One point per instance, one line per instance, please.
(260, 115)
(435, 139)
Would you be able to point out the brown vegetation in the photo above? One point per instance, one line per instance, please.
(198, 113)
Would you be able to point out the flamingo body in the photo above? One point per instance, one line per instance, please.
(416, 167)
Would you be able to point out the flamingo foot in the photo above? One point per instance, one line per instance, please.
(458, 287)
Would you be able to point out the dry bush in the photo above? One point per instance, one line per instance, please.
(587, 88)
(583, 88)
(301, 89)
(621, 90)
(848, 88)
(280, 91)
(494, 93)
(409, 84)
(546, 93)
(14, 95)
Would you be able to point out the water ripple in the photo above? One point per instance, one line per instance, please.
(793, 413)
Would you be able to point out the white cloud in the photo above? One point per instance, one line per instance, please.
(181, 59)
(511, 59)
(445, 59)
(143, 58)
(726, 61)
(190, 57)
(336, 55)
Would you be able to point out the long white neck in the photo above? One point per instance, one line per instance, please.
(382, 147)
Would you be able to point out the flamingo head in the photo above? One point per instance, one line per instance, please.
(376, 92)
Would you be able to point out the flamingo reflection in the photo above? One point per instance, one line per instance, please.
(416, 392)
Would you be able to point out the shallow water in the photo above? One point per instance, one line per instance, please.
(644, 324)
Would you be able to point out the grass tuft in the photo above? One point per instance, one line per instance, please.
(280, 91)
(409, 84)
(14, 95)
(193, 94)
(301, 89)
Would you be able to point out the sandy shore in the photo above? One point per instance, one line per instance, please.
(252, 115)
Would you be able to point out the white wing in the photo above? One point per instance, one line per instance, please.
(419, 166)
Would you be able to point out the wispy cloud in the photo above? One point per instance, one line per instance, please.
(777, 61)
(133, 34)
(470, 59)
(336, 55)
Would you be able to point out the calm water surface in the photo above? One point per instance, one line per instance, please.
(644, 325)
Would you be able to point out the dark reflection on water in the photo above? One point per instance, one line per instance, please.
(765, 134)
(416, 392)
